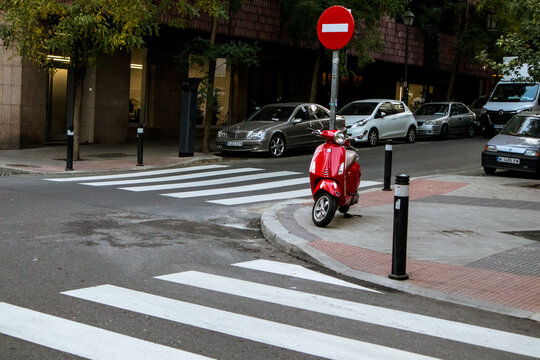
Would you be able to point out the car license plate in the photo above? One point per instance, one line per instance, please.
(507, 160)
(498, 126)
(235, 143)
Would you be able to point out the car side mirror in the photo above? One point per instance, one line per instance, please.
(297, 121)
(380, 114)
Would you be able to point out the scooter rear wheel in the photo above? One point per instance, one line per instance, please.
(324, 209)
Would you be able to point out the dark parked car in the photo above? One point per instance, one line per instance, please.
(276, 128)
(476, 107)
(516, 147)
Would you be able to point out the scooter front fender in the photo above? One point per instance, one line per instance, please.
(330, 186)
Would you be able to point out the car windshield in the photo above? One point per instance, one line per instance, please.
(362, 108)
(272, 113)
(432, 109)
(523, 126)
(514, 93)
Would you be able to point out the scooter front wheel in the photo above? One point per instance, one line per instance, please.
(324, 209)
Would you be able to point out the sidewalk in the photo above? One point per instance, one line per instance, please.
(472, 240)
(97, 158)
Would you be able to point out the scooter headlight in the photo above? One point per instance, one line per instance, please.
(340, 138)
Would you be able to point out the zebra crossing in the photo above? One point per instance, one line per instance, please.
(211, 182)
(97, 343)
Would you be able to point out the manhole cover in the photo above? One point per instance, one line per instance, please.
(23, 165)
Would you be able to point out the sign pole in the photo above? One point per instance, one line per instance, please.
(334, 89)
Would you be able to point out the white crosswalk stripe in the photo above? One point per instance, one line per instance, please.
(197, 175)
(215, 178)
(96, 343)
(246, 327)
(135, 174)
(80, 339)
(401, 320)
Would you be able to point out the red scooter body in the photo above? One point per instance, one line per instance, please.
(334, 185)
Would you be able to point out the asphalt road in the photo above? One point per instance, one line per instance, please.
(63, 241)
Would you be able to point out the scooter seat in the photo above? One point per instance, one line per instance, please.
(350, 157)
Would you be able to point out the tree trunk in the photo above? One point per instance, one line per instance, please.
(315, 77)
(209, 112)
(79, 82)
(452, 84)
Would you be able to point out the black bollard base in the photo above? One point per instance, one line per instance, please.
(398, 277)
(185, 154)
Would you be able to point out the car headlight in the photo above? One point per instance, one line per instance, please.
(221, 134)
(256, 134)
(534, 153)
(360, 123)
(340, 138)
(528, 109)
(490, 148)
(432, 122)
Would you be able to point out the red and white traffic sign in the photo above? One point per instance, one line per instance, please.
(335, 27)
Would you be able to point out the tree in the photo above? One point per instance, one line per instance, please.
(519, 23)
(79, 29)
(208, 51)
(301, 17)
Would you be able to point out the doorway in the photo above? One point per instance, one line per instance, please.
(59, 106)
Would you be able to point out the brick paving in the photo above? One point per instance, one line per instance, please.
(517, 291)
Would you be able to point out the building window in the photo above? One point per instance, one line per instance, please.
(222, 86)
(418, 94)
(137, 86)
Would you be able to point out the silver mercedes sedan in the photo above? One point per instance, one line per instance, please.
(276, 128)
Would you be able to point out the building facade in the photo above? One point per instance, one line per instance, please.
(144, 87)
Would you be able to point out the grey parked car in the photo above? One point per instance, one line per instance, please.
(445, 118)
(276, 128)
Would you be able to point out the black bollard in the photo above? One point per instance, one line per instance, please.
(401, 218)
(140, 132)
(69, 156)
(387, 165)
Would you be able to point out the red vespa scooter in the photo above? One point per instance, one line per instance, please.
(334, 176)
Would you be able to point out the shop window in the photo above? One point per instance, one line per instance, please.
(418, 94)
(137, 86)
(222, 85)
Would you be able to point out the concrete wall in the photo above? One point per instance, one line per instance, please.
(33, 105)
(10, 99)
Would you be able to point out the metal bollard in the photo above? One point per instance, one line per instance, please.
(69, 156)
(387, 165)
(140, 132)
(401, 218)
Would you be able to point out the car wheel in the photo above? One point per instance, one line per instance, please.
(444, 132)
(470, 131)
(324, 209)
(411, 135)
(489, 171)
(373, 137)
(277, 146)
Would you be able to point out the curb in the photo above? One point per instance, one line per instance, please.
(277, 235)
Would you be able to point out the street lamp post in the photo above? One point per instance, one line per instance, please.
(408, 18)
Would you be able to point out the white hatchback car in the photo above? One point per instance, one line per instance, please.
(377, 119)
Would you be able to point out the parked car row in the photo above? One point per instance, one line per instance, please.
(276, 128)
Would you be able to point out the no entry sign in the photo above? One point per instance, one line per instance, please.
(335, 27)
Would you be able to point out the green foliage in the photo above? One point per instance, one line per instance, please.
(301, 17)
(519, 23)
(79, 29)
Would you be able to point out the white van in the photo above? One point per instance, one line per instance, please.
(507, 99)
